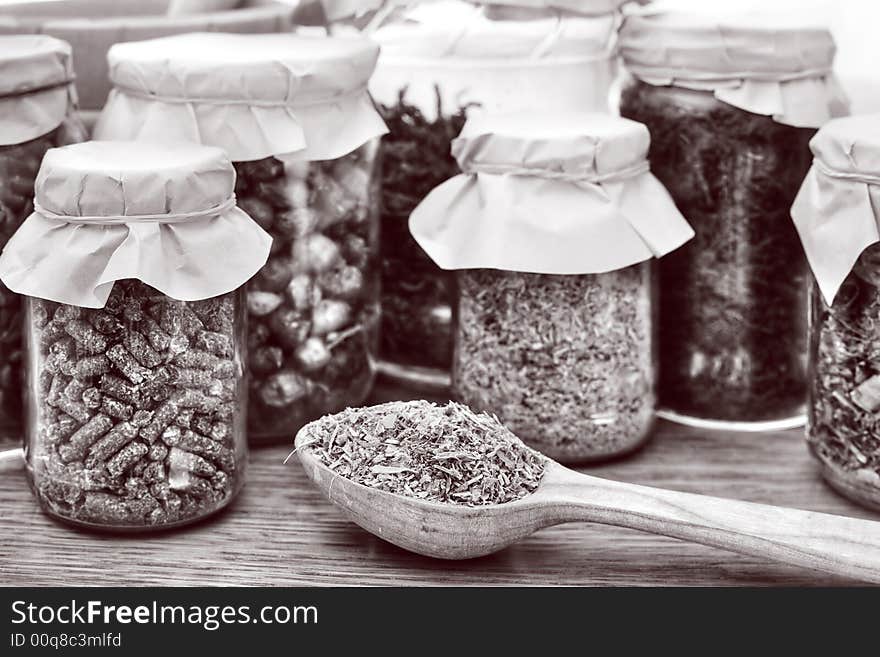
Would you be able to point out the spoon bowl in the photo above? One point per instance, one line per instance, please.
(818, 541)
(433, 529)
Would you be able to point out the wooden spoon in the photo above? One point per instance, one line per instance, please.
(820, 541)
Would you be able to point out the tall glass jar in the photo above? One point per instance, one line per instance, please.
(554, 327)
(836, 214)
(135, 333)
(440, 62)
(732, 311)
(303, 133)
(37, 103)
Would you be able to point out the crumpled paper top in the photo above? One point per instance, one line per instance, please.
(96, 179)
(33, 61)
(342, 9)
(701, 46)
(553, 193)
(762, 63)
(584, 7)
(275, 68)
(837, 210)
(254, 95)
(461, 30)
(164, 214)
(573, 144)
(36, 86)
(850, 146)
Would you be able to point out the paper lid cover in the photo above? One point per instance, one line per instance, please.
(575, 144)
(36, 86)
(554, 193)
(837, 210)
(681, 45)
(284, 68)
(253, 95)
(459, 29)
(341, 9)
(160, 213)
(585, 7)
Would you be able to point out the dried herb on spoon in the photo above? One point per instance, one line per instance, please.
(418, 449)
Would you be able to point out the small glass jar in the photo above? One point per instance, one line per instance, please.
(41, 118)
(133, 263)
(137, 409)
(439, 64)
(567, 362)
(845, 383)
(554, 331)
(836, 214)
(303, 133)
(732, 307)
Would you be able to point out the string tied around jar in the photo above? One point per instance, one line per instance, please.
(582, 176)
(160, 218)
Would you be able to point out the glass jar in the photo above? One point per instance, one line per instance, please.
(303, 134)
(732, 303)
(314, 307)
(732, 308)
(836, 214)
(554, 328)
(137, 409)
(133, 263)
(566, 362)
(35, 121)
(845, 383)
(440, 62)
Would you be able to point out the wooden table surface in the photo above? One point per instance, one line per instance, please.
(281, 532)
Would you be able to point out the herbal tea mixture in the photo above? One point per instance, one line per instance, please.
(18, 170)
(565, 361)
(137, 407)
(732, 305)
(844, 425)
(417, 296)
(439, 453)
(312, 309)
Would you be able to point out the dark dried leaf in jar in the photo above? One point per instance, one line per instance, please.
(19, 164)
(732, 302)
(843, 421)
(417, 296)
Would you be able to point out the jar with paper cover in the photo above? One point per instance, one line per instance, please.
(132, 263)
(731, 102)
(836, 214)
(440, 62)
(294, 114)
(37, 106)
(551, 227)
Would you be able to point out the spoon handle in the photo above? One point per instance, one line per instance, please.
(821, 541)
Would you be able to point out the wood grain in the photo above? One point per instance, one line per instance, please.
(281, 531)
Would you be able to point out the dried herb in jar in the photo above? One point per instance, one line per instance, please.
(845, 388)
(565, 361)
(18, 171)
(443, 454)
(137, 408)
(417, 296)
(732, 305)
